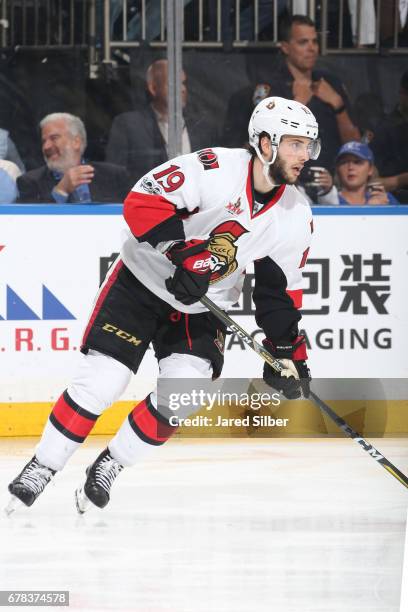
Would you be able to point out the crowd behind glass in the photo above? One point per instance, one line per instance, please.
(364, 159)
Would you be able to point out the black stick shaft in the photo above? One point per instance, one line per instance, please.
(351, 433)
(274, 363)
(245, 337)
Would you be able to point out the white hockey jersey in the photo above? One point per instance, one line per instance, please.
(210, 194)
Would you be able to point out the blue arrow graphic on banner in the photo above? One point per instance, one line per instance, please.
(17, 309)
(52, 307)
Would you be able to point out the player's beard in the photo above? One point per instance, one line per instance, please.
(278, 174)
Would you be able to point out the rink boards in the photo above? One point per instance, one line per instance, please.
(52, 259)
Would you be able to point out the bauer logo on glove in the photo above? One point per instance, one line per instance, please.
(294, 380)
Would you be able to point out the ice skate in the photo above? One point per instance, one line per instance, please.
(29, 484)
(100, 477)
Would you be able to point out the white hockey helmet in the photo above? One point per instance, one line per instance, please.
(280, 117)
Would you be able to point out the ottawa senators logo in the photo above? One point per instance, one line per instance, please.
(223, 249)
(208, 158)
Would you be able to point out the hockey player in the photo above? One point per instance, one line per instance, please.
(196, 222)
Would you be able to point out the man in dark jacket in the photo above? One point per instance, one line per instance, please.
(139, 139)
(295, 77)
(66, 177)
(390, 146)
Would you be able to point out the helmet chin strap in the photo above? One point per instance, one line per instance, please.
(266, 164)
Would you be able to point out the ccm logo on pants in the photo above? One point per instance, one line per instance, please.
(122, 334)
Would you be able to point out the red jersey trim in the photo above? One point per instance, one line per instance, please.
(250, 194)
(189, 341)
(297, 297)
(143, 213)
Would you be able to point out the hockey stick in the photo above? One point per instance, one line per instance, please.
(274, 363)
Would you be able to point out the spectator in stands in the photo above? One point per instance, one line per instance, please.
(139, 139)
(356, 183)
(66, 177)
(390, 146)
(318, 186)
(368, 112)
(394, 23)
(134, 30)
(296, 77)
(9, 171)
(8, 150)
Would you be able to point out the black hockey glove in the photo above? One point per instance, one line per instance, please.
(192, 276)
(295, 377)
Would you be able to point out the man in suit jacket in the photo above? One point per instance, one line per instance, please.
(66, 178)
(138, 139)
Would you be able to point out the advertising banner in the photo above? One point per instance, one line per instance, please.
(52, 262)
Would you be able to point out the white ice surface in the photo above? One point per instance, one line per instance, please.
(229, 526)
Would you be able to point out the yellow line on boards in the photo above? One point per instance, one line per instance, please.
(28, 419)
(369, 417)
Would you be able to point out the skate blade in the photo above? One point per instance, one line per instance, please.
(82, 502)
(13, 505)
